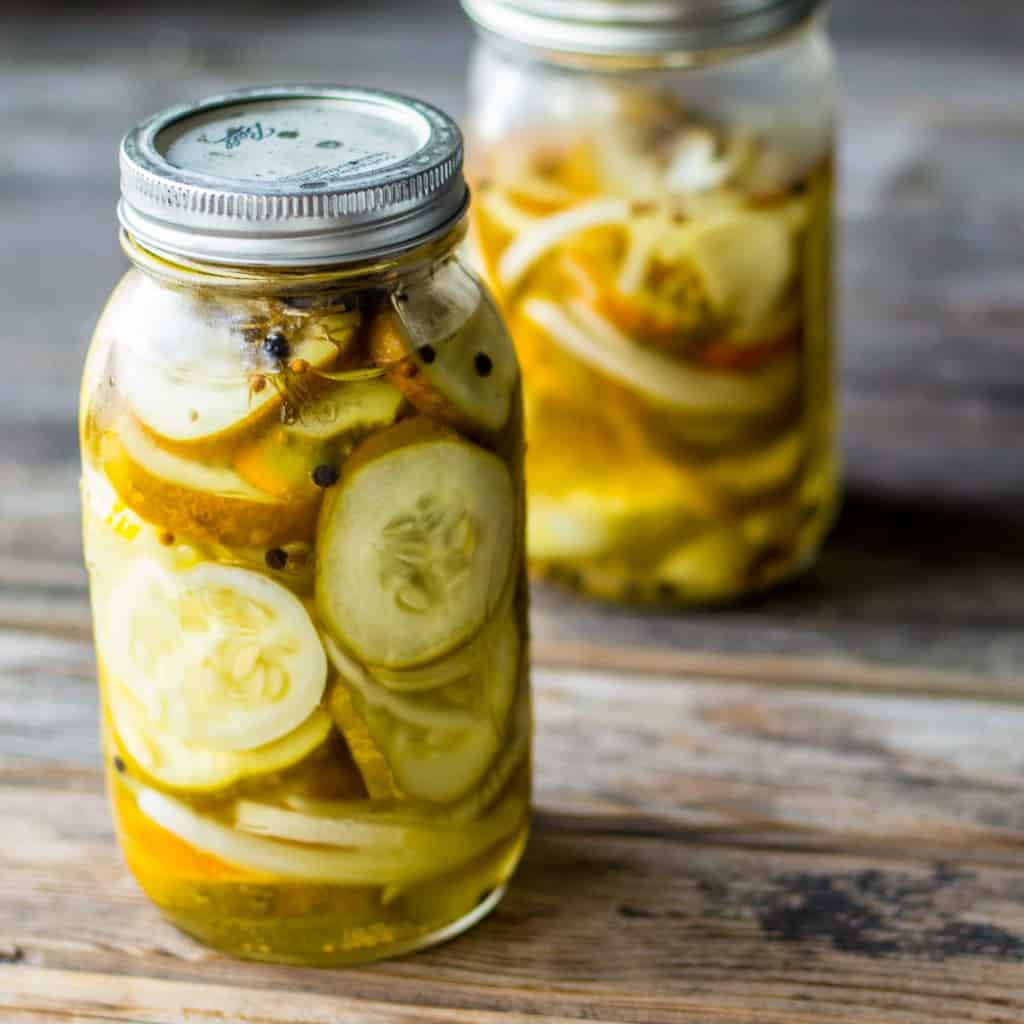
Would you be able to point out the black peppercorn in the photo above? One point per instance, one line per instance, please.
(119, 765)
(427, 353)
(275, 344)
(276, 558)
(325, 475)
(483, 364)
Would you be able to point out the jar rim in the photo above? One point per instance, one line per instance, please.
(640, 28)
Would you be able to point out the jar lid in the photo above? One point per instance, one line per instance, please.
(629, 28)
(292, 176)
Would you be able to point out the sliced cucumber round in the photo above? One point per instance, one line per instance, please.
(162, 757)
(439, 745)
(444, 765)
(195, 498)
(415, 545)
(222, 658)
(447, 350)
(184, 366)
(348, 409)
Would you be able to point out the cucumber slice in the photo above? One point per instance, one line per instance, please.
(183, 363)
(166, 760)
(711, 566)
(415, 545)
(281, 461)
(281, 464)
(746, 261)
(768, 467)
(438, 747)
(222, 658)
(446, 348)
(372, 764)
(196, 499)
(347, 410)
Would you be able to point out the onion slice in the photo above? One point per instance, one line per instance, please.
(594, 340)
(549, 232)
(372, 865)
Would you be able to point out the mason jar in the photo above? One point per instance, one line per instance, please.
(303, 507)
(654, 211)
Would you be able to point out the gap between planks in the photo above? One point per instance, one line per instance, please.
(779, 670)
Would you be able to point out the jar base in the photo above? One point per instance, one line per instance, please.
(620, 584)
(338, 957)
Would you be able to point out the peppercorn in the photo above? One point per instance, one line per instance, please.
(483, 364)
(275, 344)
(427, 353)
(325, 475)
(277, 558)
(119, 765)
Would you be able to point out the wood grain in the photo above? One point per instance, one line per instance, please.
(704, 850)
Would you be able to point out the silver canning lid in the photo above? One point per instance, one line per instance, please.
(629, 28)
(292, 176)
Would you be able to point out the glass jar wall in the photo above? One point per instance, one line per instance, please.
(657, 225)
(303, 514)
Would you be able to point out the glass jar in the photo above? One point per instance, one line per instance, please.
(303, 506)
(654, 211)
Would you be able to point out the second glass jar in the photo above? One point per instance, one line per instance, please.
(655, 215)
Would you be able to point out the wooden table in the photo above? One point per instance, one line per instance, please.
(807, 809)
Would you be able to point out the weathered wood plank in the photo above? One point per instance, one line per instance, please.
(704, 850)
(654, 755)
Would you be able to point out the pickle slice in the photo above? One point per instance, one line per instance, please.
(347, 410)
(372, 764)
(439, 745)
(197, 499)
(282, 465)
(221, 657)
(711, 566)
(746, 261)
(415, 545)
(443, 765)
(162, 757)
(460, 369)
(184, 365)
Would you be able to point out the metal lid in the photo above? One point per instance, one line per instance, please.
(292, 176)
(629, 28)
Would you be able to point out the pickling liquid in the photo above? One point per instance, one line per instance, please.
(303, 524)
(672, 310)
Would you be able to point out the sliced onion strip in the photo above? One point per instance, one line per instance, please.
(549, 232)
(594, 340)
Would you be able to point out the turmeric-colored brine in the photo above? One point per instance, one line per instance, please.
(303, 514)
(668, 292)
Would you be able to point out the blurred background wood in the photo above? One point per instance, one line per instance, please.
(804, 809)
(927, 563)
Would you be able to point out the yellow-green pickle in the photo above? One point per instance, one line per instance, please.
(303, 510)
(653, 209)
